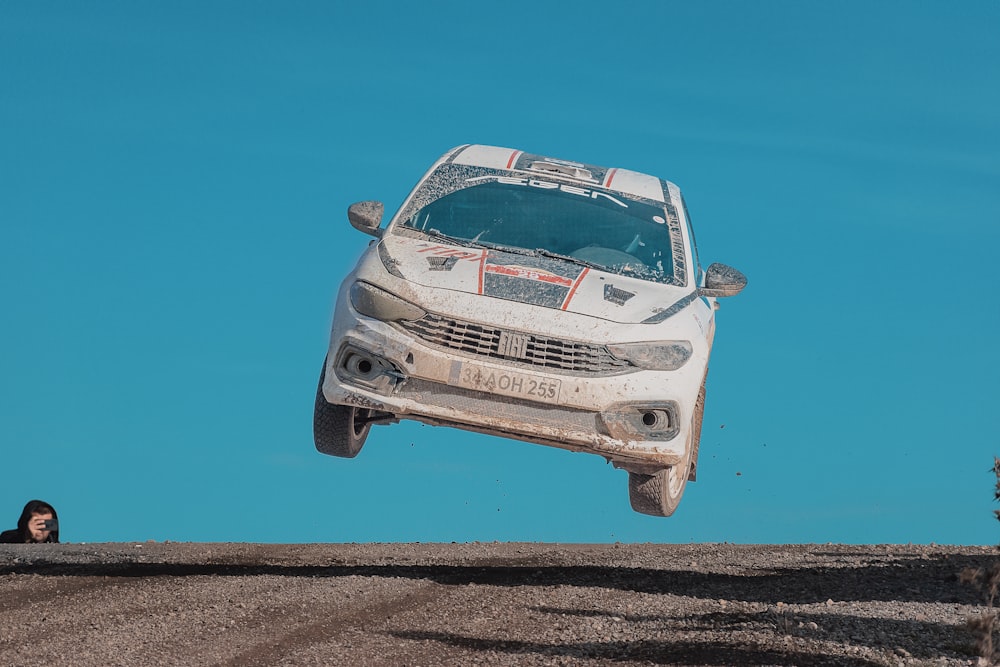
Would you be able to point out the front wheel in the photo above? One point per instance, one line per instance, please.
(339, 430)
(658, 494)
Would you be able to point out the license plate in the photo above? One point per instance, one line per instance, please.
(505, 383)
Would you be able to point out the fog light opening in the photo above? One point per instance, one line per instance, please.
(656, 420)
(362, 368)
(360, 365)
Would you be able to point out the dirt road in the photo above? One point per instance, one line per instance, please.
(151, 603)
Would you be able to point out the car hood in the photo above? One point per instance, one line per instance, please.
(535, 280)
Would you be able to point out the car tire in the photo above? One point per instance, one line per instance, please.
(660, 493)
(699, 414)
(338, 430)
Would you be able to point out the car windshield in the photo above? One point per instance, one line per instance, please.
(603, 229)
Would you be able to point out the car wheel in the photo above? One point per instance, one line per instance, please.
(699, 414)
(338, 430)
(660, 493)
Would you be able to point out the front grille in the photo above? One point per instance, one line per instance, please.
(535, 351)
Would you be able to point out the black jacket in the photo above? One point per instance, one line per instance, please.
(20, 535)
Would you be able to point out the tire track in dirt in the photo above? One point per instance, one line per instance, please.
(44, 590)
(305, 632)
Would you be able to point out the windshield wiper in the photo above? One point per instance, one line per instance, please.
(506, 248)
(541, 252)
(476, 243)
(454, 240)
(515, 250)
(569, 258)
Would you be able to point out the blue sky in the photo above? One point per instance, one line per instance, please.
(174, 179)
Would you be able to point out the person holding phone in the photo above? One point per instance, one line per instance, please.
(38, 523)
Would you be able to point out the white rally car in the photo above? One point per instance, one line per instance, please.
(531, 298)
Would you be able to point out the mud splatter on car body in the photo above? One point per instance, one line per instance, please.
(532, 298)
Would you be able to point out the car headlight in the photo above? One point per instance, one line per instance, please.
(381, 305)
(661, 356)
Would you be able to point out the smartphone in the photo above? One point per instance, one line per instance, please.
(51, 524)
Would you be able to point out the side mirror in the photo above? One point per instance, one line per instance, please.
(366, 216)
(722, 280)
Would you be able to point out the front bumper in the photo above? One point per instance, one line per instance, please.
(376, 366)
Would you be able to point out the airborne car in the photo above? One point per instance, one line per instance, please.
(527, 297)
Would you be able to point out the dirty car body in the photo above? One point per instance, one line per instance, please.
(532, 298)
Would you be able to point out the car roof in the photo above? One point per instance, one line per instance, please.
(524, 164)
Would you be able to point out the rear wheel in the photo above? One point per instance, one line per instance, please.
(339, 430)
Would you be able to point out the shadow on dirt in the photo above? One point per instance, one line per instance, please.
(845, 627)
(645, 652)
(928, 579)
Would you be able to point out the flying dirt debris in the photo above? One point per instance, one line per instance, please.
(549, 301)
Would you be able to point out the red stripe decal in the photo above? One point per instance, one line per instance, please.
(482, 267)
(572, 291)
(610, 177)
(513, 158)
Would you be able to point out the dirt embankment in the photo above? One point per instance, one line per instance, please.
(486, 604)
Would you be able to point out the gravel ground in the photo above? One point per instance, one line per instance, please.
(152, 603)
